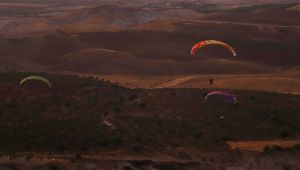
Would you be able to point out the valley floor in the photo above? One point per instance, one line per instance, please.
(205, 161)
(286, 82)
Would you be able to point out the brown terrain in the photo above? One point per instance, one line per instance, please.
(136, 40)
(144, 46)
(89, 123)
(260, 145)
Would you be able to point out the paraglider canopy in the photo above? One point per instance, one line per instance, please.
(201, 44)
(36, 78)
(227, 95)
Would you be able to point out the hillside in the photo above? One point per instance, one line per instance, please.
(128, 95)
(87, 122)
(76, 108)
(157, 41)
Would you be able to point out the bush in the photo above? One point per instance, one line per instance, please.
(267, 149)
(132, 97)
(121, 99)
(286, 168)
(117, 109)
(55, 166)
(284, 134)
(62, 147)
(141, 163)
(276, 148)
(168, 166)
(28, 157)
(12, 103)
(29, 146)
(225, 138)
(273, 148)
(10, 166)
(127, 168)
(138, 148)
(67, 104)
(297, 147)
(143, 105)
(78, 156)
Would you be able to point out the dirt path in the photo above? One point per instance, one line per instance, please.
(260, 145)
(243, 24)
(29, 5)
(174, 82)
(258, 82)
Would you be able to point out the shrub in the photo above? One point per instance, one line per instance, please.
(54, 166)
(284, 134)
(62, 147)
(10, 166)
(127, 168)
(132, 97)
(168, 166)
(141, 163)
(67, 104)
(252, 98)
(286, 168)
(28, 157)
(276, 148)
(117, 109)
(78, 156)
(12, 103)
(143, 105)
(267, 149)
(121, 99)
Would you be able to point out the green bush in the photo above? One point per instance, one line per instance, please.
(28, 157)
(284, 134)
(276, 148)
(267, 149)
(132, 97)
(127, 168)
(143, 105)
(168, 166)
(55, 166)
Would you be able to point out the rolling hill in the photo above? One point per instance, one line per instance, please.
(127, 94)
(83, 122)
(145, 118)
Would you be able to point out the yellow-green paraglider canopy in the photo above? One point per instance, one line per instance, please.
(36, 78)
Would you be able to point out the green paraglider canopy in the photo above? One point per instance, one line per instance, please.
(36, 78)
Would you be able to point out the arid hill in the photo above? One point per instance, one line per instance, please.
(122, 41)
(146, 118)
(153, 36)
(85, 121)
(127, 94)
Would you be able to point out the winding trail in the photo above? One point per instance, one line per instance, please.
(259, 146)
(241, 24)
(174, 82)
